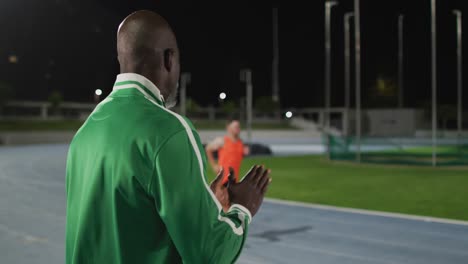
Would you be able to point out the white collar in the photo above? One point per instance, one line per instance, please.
(129, 80)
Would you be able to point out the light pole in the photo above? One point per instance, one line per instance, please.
(434, 81)
(246, 76)
(458, 14)
(357, 49)
(400, 61)
(347, 58)
(328, 6)
(275, 65)
(185, 79)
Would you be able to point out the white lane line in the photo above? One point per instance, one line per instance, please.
(370, 240)
(28, 238)
(370, 212)
(395, 227)
(30, 208)
(391, 243)
(335, 253)
(250, 260)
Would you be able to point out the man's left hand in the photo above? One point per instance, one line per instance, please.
(221, 191)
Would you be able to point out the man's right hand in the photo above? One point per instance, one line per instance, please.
(251, 190)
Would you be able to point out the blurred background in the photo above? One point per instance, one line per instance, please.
(359, 108)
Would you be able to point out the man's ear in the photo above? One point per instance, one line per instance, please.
(169, 57)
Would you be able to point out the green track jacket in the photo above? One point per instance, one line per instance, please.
(137, 190)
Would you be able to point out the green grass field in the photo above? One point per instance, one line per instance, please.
(440, 192)
(447, 155)
(64, 125)
(439, 149)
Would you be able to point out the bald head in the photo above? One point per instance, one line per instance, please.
(147, 45)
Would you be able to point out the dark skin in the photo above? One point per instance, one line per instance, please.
(146, 45)
(249, 192)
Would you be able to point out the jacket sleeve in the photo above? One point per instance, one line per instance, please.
(200, 230)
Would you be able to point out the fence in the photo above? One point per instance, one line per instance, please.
(405, 151)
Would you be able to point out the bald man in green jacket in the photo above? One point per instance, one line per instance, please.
(136, 183)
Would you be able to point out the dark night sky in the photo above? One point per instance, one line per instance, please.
(69, 45)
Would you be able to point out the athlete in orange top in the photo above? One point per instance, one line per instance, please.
(230, 149)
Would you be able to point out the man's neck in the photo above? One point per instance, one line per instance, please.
(151, 78)
(233, 137)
